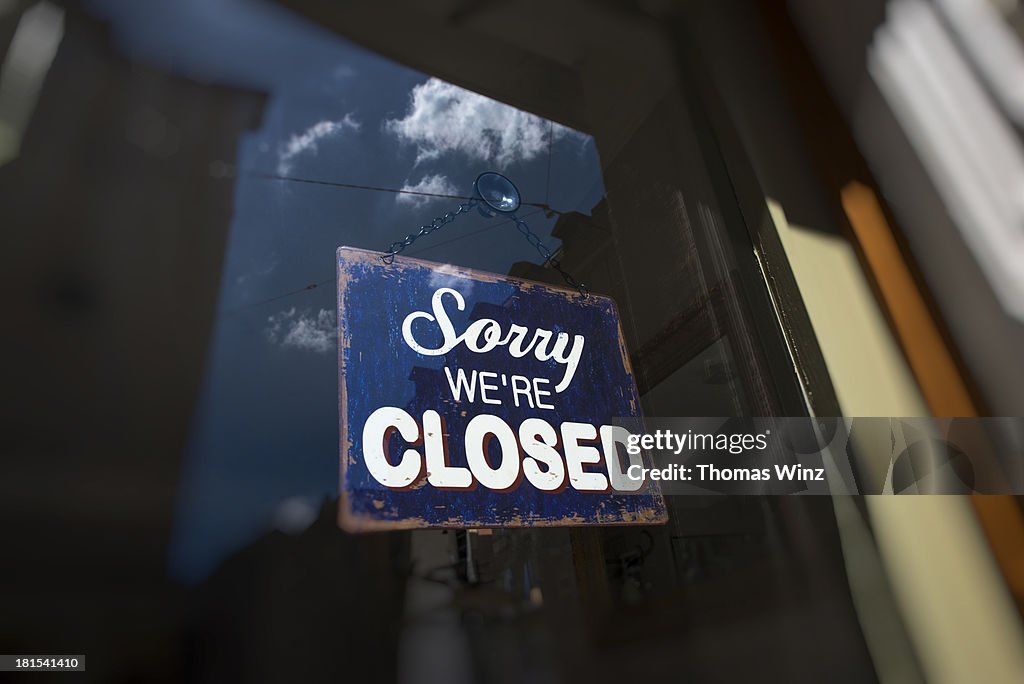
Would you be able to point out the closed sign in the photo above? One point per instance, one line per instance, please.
(471, 399)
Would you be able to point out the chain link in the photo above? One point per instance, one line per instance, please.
(426, 229)
(549, 258)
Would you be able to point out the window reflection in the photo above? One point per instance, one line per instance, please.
(350, 149)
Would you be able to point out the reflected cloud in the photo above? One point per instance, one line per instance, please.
(449, 276)
(303, 330)
(257, 272)
(308, 140)
(443, 118)
(437, 184)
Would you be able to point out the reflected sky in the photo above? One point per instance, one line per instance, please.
(263, 452)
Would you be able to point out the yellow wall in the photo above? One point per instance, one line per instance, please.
(961, 619)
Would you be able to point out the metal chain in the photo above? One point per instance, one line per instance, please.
(426, 229)
(549, 258)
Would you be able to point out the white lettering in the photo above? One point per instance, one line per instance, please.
(485, 388)
(435, 446)
(460, 383)
(576, 455)
(376, 434)
(444, 324)
(538, 392)
(611, 437)
(524, 389)
(549, 458)
(539, 440)
(478, 437)
(485, 334)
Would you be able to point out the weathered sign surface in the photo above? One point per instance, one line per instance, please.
(470, 399)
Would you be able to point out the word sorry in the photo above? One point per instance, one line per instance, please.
(485, 334)
(530, 452)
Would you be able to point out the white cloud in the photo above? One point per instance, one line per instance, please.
(445, 118)
(436, 184)
(307, 140)
(448, 276)
(303, 330)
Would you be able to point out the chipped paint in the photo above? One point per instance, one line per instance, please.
(377, 368)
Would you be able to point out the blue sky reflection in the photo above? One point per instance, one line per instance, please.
(264, 442)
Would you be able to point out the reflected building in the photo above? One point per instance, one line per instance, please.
(116, 213)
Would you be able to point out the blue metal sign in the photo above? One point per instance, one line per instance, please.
(471, 399)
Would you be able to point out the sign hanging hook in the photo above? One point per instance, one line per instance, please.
(493, 195)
